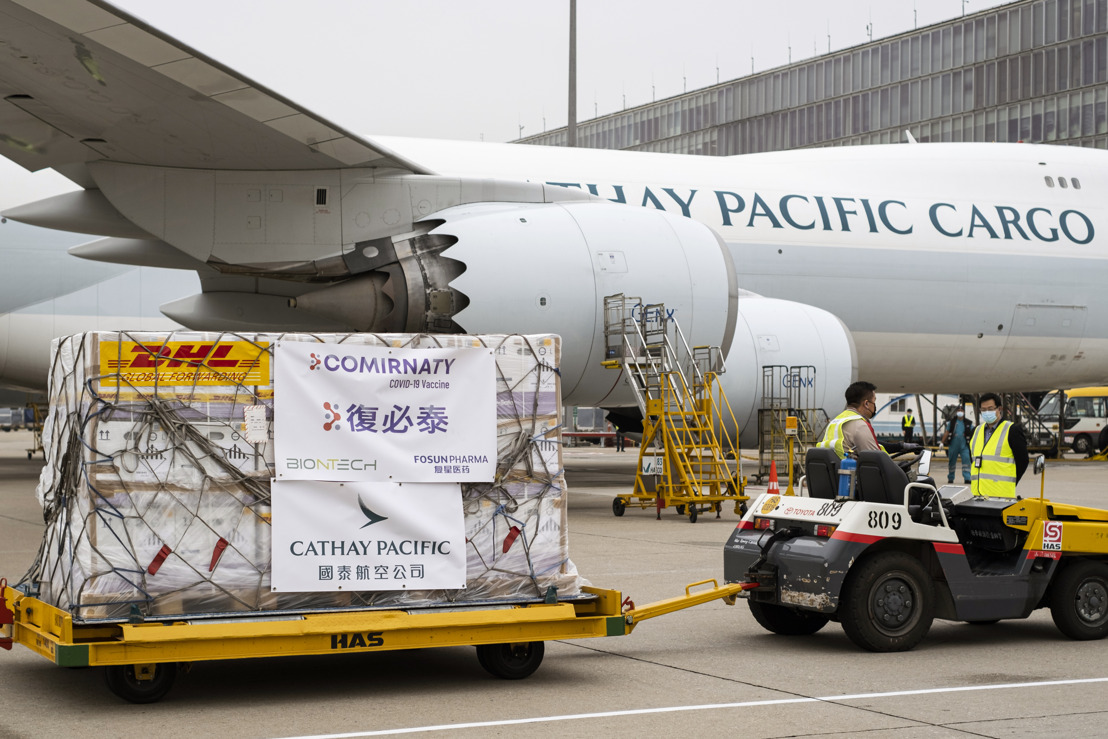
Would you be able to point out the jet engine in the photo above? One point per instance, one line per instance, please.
(547, 267)
(799, 356)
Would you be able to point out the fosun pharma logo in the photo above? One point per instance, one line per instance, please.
(331, 417)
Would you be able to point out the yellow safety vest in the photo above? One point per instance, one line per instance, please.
(908, 421)
(833, 436)
(994, 467)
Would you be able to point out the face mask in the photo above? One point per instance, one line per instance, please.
(988, 416)
(961, 414)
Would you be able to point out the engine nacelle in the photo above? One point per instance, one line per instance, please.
(499, 267)
(782, 333)
(547, 267)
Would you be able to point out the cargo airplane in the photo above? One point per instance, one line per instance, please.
(926, 267)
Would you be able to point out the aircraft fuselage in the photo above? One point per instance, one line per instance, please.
(957, 268)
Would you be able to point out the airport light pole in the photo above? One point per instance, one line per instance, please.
(571, 126)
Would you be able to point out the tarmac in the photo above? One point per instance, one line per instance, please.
(709, 670)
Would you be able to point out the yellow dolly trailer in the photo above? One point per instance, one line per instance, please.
(141, 659)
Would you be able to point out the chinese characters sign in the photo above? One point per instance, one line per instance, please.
(351, 412)
(367, 536)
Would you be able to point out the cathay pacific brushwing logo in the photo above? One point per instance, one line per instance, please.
(373, 517)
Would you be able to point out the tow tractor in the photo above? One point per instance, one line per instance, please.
(893, 554)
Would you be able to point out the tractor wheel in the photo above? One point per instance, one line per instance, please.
(886, 603)
(123, 681)
(1079, 600)
(511, 661)
(787, 621)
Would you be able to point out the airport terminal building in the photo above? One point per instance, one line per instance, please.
(1033, 70)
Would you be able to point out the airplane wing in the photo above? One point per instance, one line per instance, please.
(84, 81)
(186, 164)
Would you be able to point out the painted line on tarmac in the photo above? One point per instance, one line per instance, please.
(705, 707)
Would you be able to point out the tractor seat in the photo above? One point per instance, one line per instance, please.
(822, 468)
(880, 479)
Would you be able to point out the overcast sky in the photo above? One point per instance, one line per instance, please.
(480, 69)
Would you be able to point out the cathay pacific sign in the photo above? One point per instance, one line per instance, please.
(827, 212)
(355, 412)
(363, 536)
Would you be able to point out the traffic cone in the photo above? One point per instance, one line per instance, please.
(774, 488)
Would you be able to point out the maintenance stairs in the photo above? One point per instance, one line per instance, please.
(788, 392)
(686, 458)
(1042, 434)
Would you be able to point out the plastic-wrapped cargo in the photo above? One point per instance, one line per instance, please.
(157, 497)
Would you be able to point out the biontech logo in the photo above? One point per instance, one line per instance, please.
(331, 417)
(330, 464)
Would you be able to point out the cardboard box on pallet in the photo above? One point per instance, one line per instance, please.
(172, 551)
(157, 497)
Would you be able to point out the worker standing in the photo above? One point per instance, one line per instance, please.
(959, 432)
(909, 426)
(999, 450)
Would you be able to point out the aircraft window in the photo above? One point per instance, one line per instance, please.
(1049, 181)
(1076, 183)
(1062, 183)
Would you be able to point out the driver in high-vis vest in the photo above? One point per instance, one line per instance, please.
(850, 431)
(999, 451)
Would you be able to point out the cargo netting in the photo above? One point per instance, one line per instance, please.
(157, 506)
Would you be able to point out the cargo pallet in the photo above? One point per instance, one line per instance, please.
(141, 659)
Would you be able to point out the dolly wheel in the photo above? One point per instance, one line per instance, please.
(692, 512)
(886, 603)
(618, 506)
(1079, 600)
(123, 681)
(511, 661)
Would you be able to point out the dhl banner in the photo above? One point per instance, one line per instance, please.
(372, 413)
(135, 364)
(367, 536)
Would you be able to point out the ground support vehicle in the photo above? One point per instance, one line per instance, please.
(897, 554)
(141, 660)
(684, 459)
(1086, 414)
